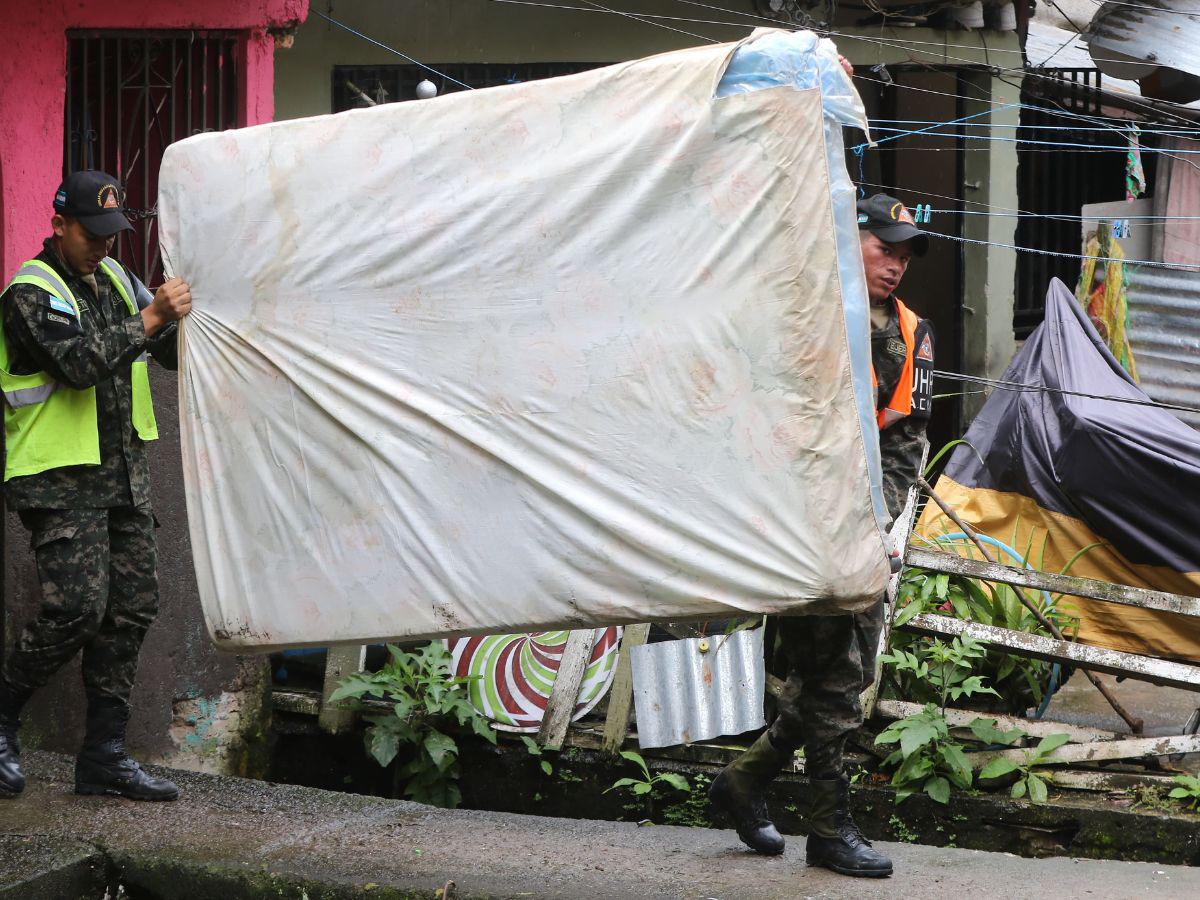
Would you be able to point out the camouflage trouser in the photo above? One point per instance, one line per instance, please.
(831, 660)
(98, 571)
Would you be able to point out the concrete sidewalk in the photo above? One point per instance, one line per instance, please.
(230, 838)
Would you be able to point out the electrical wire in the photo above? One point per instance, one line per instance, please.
(1018, 140)
(646, 19)
(1040, 388)
(1144, 7)
(1000, 70)
(637, 18)
(1064, 217)
(383, 46)
(986, 112)
(1181, 132)
(1132, 262)
(953, 376)
(777, 23)
(640, 15)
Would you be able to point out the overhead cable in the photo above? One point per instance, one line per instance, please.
(381, 45)
(1040, 388)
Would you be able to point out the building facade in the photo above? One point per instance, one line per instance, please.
(109, 85)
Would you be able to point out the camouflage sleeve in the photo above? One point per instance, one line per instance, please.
(53, 337)
(901, 445)
(163, 345)
(900, 448)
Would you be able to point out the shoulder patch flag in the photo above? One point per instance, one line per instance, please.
(61, 305)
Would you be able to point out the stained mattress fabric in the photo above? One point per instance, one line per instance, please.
(591, 350)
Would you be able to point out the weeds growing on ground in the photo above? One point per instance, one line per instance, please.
(428, 708)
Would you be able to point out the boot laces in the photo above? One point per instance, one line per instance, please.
(850, 832)
(759, 808)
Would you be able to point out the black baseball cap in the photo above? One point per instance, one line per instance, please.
(890, 221)
(95, 199)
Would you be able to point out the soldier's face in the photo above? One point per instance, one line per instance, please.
(885, 265)
(81, 249)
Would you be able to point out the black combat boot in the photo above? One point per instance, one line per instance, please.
(12, 779)
(740, 792)
(834, 841)
(103, 766)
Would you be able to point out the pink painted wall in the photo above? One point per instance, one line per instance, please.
(33, 86)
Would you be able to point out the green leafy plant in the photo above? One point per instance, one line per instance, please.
(428, 708)
(1188, 792)
(1031, 781)
(927, 759)
(644, 784)
(945, 669)
(535, 749)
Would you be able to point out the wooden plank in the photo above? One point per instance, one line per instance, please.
(620, 695)
(1071, 585)
(774, 686)
(709, 753)
(340, 662)
(962, 718)
(1108, 782)
(1083, 656)
(565, 694)
(305, 703)
(1133, 748)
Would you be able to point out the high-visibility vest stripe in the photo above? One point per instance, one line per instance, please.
(25, 396)
(900, 405)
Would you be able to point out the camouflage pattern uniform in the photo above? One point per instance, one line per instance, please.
(831, 659)
(92, 527)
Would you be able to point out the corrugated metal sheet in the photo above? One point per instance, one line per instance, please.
(1159, 32)
(699, 688)
(1048, 47)
(1164, 331)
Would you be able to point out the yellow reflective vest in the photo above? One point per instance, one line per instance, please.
(48, 425)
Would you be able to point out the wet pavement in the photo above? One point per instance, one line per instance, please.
(229, 838)
(1165, 710)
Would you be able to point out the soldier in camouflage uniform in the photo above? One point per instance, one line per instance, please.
(832, 658)
(91, 524)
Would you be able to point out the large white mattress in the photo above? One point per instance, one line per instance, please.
(558, 354)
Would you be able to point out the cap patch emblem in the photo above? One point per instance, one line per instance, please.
(900, 213)
(108, 197)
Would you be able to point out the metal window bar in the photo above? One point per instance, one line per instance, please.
(129, 94)
(1061, 182)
